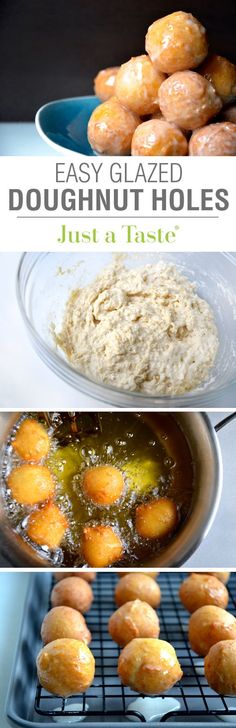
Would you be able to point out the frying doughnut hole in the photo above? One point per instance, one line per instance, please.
(31, 484)
(31, 441)
(103, 484)
(101, 546)
(47, 526)
(176, 82)
(156, 519)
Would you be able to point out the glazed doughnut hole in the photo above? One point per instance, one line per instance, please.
(65, 667)
(133, 619)
(137, 586)
(222, 75)
(158, 138)
(209, 625)
(156, 519)
(62, 622)
(103, 484)
(47, 526)
(101, 546)
(86, 575)
(220, 667)
(199, 590)
(31, 484)
(31, 441)
(188, 99)
(176, 42)
(104, 83)
(149, 666)
(152, 574)
(72, 592)
(111, 127)
(221, 575)
(214, 140)
(137, 85)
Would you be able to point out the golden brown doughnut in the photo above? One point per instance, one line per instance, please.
(72, 592)
(137, 85)
(111, 127)
(149, 666)
(31, 441)
(222, 75)
(199, 590)
(104, 83)
(220, 667)
(133, 619)
(214, 140)
(31, 484)
(209, 625)
(101, 546)
(47, 526)
(176, 42)
(62, 622)
(137, 586)
(188, 99)
(65, 667)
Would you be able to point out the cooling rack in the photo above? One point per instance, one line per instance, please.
(108, 698)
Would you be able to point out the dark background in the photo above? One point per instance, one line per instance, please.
(51, 49)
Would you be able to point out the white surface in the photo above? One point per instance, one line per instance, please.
(12, 596)
(21, 138)
(26, 382)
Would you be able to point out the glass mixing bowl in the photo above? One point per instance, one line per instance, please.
(45, 280)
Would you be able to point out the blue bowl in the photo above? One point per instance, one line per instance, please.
(63, 124)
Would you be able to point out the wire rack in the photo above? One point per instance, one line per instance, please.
(107, 697)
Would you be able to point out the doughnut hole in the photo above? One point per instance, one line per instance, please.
(31, 484)
(65, 667)
(156, 519)
(220, 667)
(149, 666)
(157, 137)
(209, 625)
(133, 619)
(188, 100)
(229, 114)
(176, 42)
(31, 441)
(152, 574)
(214, 140)
(103, 484)
(72, 592)
(137, 586)
(62, 622)
(221, 575)
(101, 546)
(199, 590)
(104, 83)
(137, 85)
(47, 526)
(111, 127)
(86, 575)
(222, 75)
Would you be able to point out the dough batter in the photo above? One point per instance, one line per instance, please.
(143, 329)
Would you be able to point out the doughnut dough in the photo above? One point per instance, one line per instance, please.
(143, 329)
